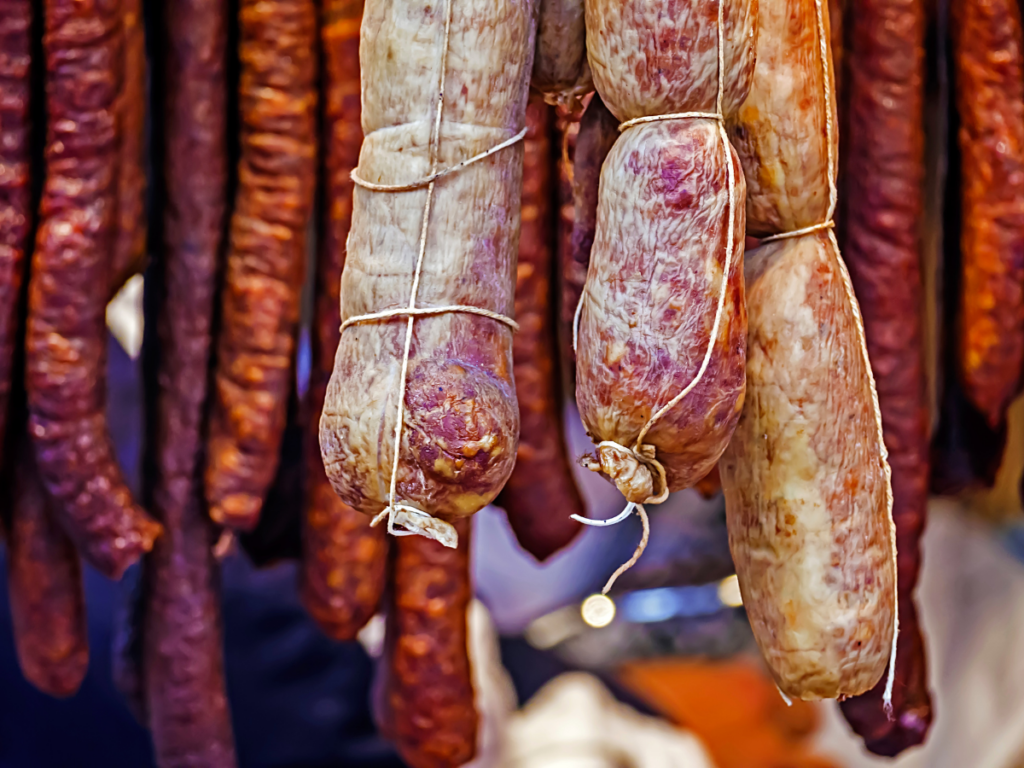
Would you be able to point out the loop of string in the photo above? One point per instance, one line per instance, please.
(403, 519)
(641, 453)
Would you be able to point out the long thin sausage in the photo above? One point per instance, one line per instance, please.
(15, 187)
(541, 494)
(66, 338)
(44, 581)
(429, 698)
(884, 200)
(989, 81)
(344, 559)
(182, 675)
(266, 260)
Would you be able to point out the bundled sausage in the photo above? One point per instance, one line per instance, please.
(71, 268)
(541, 494)
(15, 187)
(660, 351)
(808, 502)
(44, 579)
(344, 559)
(989, 77)
(439, 384)
(428, 693)
(266, 258)
(881, 243)
(180, 645)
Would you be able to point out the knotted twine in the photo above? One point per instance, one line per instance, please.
(404, 519)
(642, 454)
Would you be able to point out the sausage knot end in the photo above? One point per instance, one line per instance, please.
(635, 472)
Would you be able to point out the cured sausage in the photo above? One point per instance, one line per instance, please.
(449, 393)
(881, 242)
(15, 187)
(989, 80)
(597, 133)
(344, 559)
(130, 237)
(66, 338)
(560, 68)
(266, 258)
(660, 352)
(429, 699)
(44, 581)
(182, 674)
(805, 480)
(541, 494)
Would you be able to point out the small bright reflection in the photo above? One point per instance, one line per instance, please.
(598, 610)
(729, 592)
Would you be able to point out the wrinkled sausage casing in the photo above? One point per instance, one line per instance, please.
(266, 258)
(560, 68)
(541, 494)
(805, 480)
(883, 203)
(15, 189)
(660, 247)
(66, 338)
(429, 698)
(44, 580)
(344, 560)
(780, 130)
(989, 75)
(461, 420)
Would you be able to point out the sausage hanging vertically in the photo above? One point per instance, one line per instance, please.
(66, 339)
(884, 200)
(266, 258)
(344, 560)
(541, 493)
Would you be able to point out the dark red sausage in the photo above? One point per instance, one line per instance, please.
(15, 186)
(44, 581)
(428, 697)
(541, 494)
(344, 560)
(182, 679)
(989, 82)
(266, 258)
(71, 271)
(884, 200)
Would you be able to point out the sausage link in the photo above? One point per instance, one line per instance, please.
(15, 187)
(429, 697)
(989, 81)
(560, 68)
(182, 675)
(344, 560)
(66, 338)
(541, 494)
(130, 237)
(44, 581)
(883, 207)
(266, 259)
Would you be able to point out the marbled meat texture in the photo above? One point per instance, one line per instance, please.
(652, 291)
(344, 560)
(989, 80)
(266, 257)
(780, 131)
(44, 583)
(66, 340)
(541, 494)
(182, 677)
(15, 188)
(429, 697)
(130, 237)
(805, 479)
(461, 421)
(560, 68)
(883, 204)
